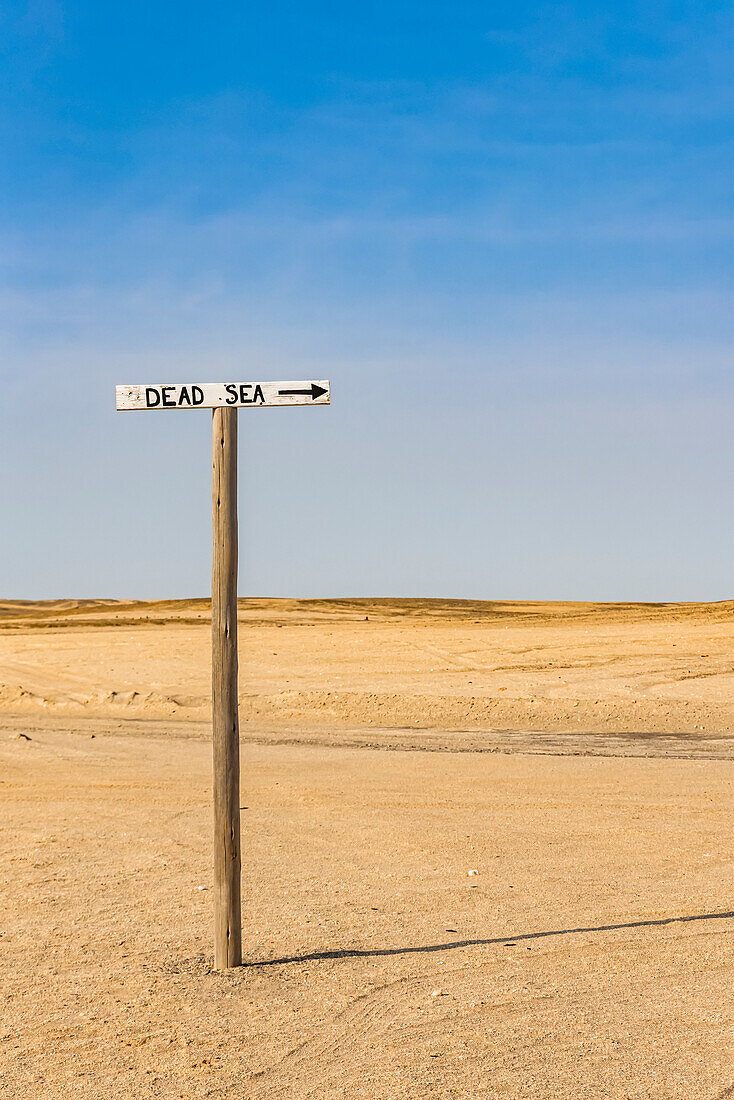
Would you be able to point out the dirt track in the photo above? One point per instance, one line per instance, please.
(589, 956)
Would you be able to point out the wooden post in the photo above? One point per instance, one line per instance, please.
(225, 721)
(225, 398)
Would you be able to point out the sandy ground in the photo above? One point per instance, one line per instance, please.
(590, 955)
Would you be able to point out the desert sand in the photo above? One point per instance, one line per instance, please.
(487, 852)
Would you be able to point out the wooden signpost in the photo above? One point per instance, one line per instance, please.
(224, 398)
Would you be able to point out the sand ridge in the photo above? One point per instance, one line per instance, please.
(422, 664)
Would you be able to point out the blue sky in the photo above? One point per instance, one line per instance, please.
(503, 231)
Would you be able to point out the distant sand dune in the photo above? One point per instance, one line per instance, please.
(433, 664)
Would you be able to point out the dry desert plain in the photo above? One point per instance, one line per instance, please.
(487, 852)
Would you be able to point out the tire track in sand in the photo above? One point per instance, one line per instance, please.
(319, 1060)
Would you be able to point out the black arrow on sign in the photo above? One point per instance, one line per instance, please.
(313, 390)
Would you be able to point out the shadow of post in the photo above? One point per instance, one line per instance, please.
(453, 945)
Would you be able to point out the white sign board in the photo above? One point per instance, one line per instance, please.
(212, 395)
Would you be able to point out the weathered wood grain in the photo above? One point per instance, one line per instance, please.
(225, 720)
